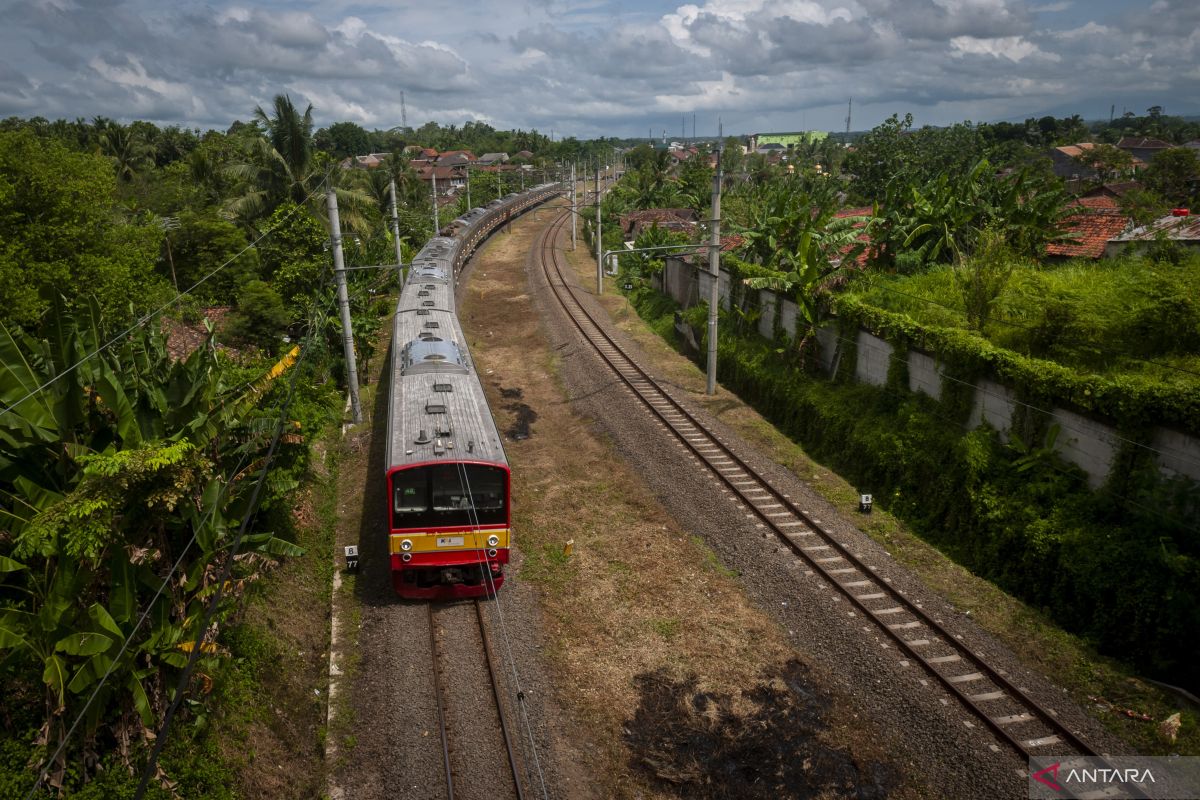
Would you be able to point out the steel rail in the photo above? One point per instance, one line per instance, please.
(438, 692)
(487, 652)
(744, 481)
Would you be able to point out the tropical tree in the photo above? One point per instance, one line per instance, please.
(1175, 174)
(114, 472)
(282, 166)
(58, 230)
(796, 245)
(126, 149)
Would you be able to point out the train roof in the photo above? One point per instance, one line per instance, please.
(437, 410)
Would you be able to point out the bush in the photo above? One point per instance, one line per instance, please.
(259, 319)
(1117, 566)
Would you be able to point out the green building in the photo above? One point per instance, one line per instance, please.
(789, 140)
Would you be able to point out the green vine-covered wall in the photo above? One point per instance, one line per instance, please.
(1119, 566)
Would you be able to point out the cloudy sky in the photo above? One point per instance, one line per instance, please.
(598, 67)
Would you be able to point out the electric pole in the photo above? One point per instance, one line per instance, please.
(574, 209)
(396, 230)
(437, 224)
(339, 274)
(714, 268)
(599, 238)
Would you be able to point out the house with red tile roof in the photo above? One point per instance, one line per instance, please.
(1094, 222)
(672, 219)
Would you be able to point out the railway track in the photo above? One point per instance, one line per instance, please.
(1004, 707)
(471, 764)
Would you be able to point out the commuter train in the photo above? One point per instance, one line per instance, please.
(448, 481)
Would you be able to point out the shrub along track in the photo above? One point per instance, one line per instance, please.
(1016, 719)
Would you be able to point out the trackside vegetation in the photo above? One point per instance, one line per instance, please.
(132, 442)
(945, 258)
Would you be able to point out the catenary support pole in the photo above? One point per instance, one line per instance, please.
(339, 274)
(599, 237)
(396, 230)
(437, 224)
(714, 270)
(574, 208)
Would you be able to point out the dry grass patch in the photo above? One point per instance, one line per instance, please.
(638, 603)
(1102, 685)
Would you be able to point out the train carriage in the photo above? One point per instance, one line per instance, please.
(448, 481)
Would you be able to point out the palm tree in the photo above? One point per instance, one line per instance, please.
(126, 149)
(281, 166)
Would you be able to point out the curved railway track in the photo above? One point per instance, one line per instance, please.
(443, 665)
(1004, 707)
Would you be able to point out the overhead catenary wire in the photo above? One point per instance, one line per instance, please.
(159, 310)
(486, 574)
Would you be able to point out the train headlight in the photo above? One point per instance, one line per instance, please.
(493, 540)
(491, 553)
(406, 557)
(406, 545)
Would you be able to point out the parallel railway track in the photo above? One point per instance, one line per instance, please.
(1004, 707)
(444, 696)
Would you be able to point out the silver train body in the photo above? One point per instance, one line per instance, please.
(447, 477)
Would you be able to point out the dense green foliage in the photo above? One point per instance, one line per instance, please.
(1119, 566)
(117, 470)
(57, 231)
(961, 218)
(1132, 320)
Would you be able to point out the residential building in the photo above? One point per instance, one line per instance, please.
(1093, 223)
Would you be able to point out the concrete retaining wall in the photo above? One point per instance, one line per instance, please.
(1088, 443)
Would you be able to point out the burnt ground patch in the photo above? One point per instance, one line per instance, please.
(523, 416)
(763, 742)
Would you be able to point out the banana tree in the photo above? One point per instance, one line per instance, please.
(828, 245)
(109, 475)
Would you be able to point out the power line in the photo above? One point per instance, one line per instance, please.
(225, 484)
(247, 519)
(137, 626)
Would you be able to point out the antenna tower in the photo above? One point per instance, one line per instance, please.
(403, 113)
(849, 108)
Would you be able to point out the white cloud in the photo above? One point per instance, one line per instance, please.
(1014, 48)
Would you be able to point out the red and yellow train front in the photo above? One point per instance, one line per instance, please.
(449, 528)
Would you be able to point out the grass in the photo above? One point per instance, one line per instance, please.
(1113, 317)
(1111, 690)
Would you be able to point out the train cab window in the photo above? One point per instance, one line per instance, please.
(411, 489)
(456, 487)
(449, 495)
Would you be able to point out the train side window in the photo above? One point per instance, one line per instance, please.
(411, 489)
